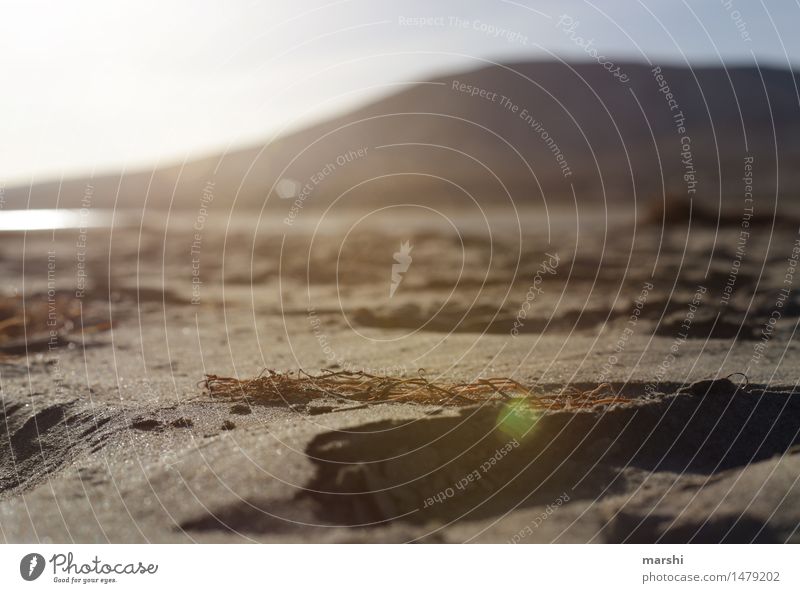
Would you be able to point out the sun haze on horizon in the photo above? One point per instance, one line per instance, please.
(94, 87)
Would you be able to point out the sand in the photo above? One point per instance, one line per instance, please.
(109, 436)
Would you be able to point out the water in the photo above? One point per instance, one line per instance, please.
(53, 219)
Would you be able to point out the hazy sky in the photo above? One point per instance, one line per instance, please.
(99, 85)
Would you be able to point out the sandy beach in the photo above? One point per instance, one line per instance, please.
(112, 435)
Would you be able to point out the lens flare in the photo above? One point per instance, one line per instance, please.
(517, 420)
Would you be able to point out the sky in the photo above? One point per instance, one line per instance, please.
(95, 86)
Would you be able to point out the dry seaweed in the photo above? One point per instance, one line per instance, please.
(40, 321)
(358, 386)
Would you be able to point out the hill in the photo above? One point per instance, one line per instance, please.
(528, 132)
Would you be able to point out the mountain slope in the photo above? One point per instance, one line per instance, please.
(527, 132)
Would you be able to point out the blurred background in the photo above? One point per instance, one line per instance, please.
(166, 97)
